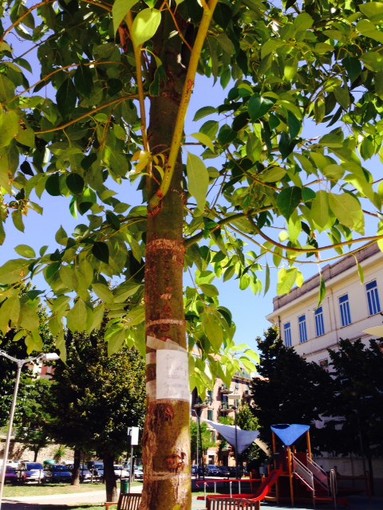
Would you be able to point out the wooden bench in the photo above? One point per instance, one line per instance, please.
(226, 503)
(130, 501)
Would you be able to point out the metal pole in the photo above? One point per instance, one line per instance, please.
(236, 441)
(198, 425)
(9, 434)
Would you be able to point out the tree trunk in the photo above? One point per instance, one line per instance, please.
(76, 467)
(110, 478)
(166, 442)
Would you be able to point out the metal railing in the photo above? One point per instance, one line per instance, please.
(320, 475)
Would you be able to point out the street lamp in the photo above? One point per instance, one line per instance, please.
(49, 356)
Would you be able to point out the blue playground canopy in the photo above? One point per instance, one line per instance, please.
(288, 434)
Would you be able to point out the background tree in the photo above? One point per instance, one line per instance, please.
(267, 181)
(205, 435)
(290, 390)
(34, 415)
(357, 370)
(96, 398)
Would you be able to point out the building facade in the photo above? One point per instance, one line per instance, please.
(352, 305)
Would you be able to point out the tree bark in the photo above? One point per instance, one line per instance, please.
(166, 444)
(109, 478)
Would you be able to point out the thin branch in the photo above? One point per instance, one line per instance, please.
(140, 83)
(178, 133)
(85, 115)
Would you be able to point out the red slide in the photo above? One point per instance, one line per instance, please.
(262, 492)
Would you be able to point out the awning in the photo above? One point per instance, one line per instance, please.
(288, 434)
(243, 438)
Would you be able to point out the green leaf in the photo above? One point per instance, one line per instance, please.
(17, 218)
(320, 211)
(204, 139)
(9, 127)
(272, 174)
(25, 251)
(52, 184)
(75, 183)
(373, 60)
(287, 278)
(212, 327)
(115, 336)
(209, 290)
(288, 200)
(26, 136)
(9, 311)
(13, 271)
(135, 316)
(204, 112)
(373, 10)
(120, 9)
(348, 211)
(145, 25)
(101, 251)
(76, 317)
(66, 97)
(198, 179)
(368, 29)
(103, 292)
(322, 291)
(61, 236)
(258, 106)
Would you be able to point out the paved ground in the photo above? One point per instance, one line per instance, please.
(98, 497)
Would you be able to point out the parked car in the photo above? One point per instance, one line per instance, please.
(31, 472)
(197, 470)
(120, 471)
(138, 473)
(86, 475)
(11, 475)
(212, 470)
(97, 468)
(57, 473)
(224, 471)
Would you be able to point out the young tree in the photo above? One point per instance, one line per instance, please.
(118, 80)
(95, 398)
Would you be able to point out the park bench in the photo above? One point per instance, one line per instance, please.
(130, 501)
(226, 503)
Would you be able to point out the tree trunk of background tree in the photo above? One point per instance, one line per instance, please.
(166, 444)
(76, 467)
(110, 478)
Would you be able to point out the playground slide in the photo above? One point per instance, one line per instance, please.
(266, 485)
(262, 492)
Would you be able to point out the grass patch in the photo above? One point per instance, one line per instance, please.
(49, 489)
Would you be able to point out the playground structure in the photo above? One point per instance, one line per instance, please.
(300, 478)
(293, 478)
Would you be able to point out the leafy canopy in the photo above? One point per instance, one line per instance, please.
(262, 193)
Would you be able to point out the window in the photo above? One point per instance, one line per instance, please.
(210, 414)
(345, 314)
(319, 322)
(302, 329)
(373, 298)
(287, 334)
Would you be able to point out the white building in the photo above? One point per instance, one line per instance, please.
(350, 307)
